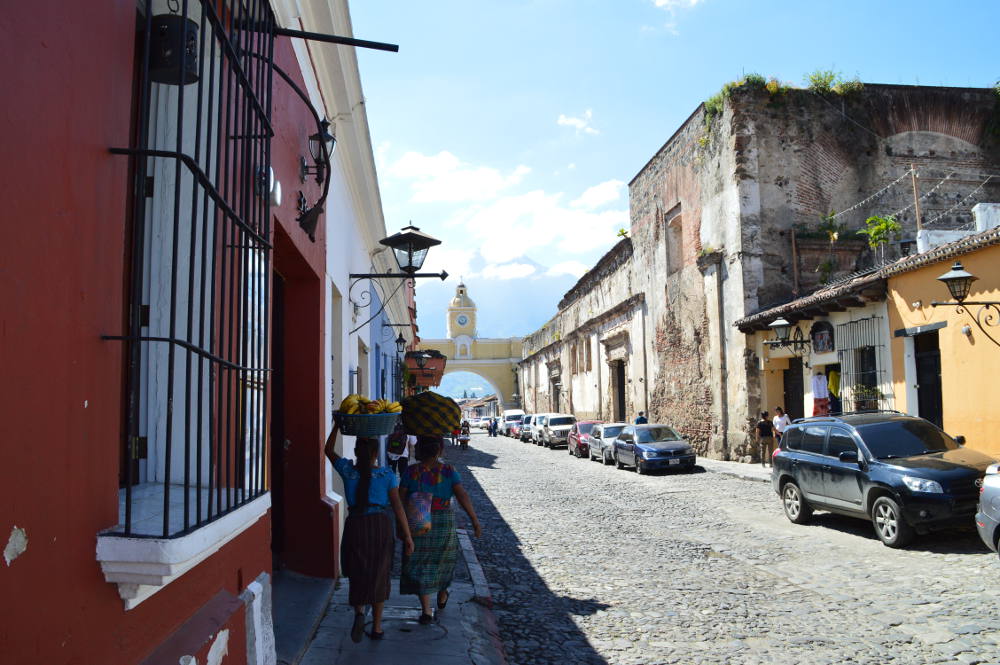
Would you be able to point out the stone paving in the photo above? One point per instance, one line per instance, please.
(589, 564)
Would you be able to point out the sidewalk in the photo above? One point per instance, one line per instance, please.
(737, 469)
(465, 633)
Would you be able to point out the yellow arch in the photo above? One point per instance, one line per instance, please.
(493, 359)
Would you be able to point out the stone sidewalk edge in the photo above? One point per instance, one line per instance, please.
(725, 469)
(483, 595)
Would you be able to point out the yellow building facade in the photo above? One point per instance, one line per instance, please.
(968, 360)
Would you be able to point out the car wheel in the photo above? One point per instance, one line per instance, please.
(797, 510)
(890, 527)
(618, 462)
(606, 459)
(638, 467)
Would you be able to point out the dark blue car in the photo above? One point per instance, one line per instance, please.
(901, 472)
(652, 446)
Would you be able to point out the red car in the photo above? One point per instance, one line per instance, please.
(578, 441)
(515, 429)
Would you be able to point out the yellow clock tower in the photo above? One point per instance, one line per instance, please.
(462, 315)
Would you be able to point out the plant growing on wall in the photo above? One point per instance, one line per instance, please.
(880, 230)
(826, 81)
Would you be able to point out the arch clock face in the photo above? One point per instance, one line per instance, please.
(462, 319)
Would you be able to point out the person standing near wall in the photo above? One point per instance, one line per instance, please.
(781, 422)
(641, 419)
(765, 438)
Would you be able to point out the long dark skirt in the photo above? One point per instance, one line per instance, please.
(431, 567)
(366, 556)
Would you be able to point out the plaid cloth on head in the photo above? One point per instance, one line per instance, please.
(430, 414)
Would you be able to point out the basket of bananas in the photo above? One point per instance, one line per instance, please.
(360, 416)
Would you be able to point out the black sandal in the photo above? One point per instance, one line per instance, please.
(358, 627)
(425, 619)
(441, 605)
(376, 636)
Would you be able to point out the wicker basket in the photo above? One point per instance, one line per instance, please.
(366, 424)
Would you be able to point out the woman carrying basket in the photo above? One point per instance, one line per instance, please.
(431, 566)
(368, 544)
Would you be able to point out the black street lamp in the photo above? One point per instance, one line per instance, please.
(400, 344)
(322, 138)
(781, 328)
(959, 283)
(410, 247)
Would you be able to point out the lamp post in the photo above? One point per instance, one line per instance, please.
(959, 282)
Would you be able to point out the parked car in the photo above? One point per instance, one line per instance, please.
(578, 441)
(602, 439)
(515, 430)
(652, 446)
(525, 433)
(555, 431)
(510, 417)
(901, 472)
(988, 514)
(537, 427)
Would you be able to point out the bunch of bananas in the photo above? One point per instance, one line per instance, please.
(361, 404)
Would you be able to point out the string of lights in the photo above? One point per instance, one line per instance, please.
(874, 196)
(962, 202)
(924, 195)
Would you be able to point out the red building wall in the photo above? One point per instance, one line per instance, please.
(67, 87)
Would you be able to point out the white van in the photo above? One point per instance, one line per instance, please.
(510, 416)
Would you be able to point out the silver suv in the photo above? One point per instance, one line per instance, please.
(556, 429)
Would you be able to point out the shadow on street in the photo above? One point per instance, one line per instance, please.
(528, 612)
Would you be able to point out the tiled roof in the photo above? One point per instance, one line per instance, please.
(872, 278)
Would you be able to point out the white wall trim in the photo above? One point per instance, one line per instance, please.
(142, 566)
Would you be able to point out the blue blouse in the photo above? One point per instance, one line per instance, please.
(383, 480)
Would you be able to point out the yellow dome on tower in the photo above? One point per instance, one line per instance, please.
(462, 298)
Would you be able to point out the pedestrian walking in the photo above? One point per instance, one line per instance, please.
(765, 438)
(641, 419)
(781, 422)
(368, 543)
(399, 450)
(431, 565)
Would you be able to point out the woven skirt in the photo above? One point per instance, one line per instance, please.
(366, 556)
(431, 567)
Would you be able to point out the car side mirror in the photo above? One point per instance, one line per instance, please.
(848, 457)
(960, 440)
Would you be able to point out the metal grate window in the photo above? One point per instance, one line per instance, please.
(199, 290)
(860, 349)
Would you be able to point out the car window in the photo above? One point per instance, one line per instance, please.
(792, 438)
(812, 439)
(609, 432)
(903, 438)
(562, 421)
(659, 433)
(840, 441)
(586, 428)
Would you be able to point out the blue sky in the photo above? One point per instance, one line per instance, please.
(509, 128)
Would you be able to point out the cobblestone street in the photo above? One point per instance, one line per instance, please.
(590, 564)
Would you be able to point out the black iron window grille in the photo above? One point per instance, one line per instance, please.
(863, 384)
(199, 281)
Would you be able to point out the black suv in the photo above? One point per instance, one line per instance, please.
(901, 472)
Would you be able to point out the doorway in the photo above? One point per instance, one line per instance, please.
(618, 381)
(928, 358)
(277, 419)
(794, 388)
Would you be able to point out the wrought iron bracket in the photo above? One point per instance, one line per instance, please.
(365, 297)
(987, 316)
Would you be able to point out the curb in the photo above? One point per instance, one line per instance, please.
(483, 595)
(742, 475)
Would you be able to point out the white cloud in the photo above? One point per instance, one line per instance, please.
(599, 195)
(444, 177)
(507, 271)
(489, 235)
(574, 268)
(571, 166)
(581, 124)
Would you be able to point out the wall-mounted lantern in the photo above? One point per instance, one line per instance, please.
(410, 246)
(784, 337)
(322, 138)
(959, 283)
(173, 49)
